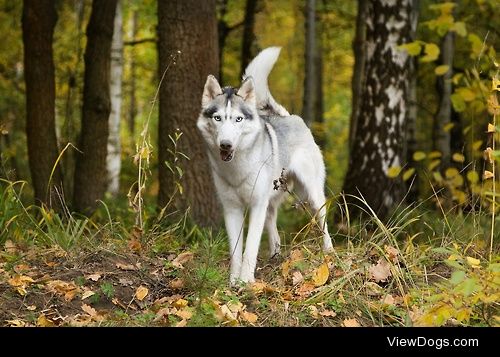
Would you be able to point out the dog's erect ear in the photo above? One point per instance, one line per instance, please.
(247, 91)
(212, 89)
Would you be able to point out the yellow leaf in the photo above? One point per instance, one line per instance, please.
(437, 176)
(440, 70)
(451, 172)
(460, 196)
(477, 144)
(413, 48)
(321, 274)
(419, 155)
(473, 262)
(457, 181)
(184, 314)
(180, 303)
(491, 128)
(447, 127)
(249, 317)
(495, 84)
(393, 171)
(473, 177)
(141, 293)
(434, 164)
(181, 323)
(434, 154)
(43, 321)
(457, 157)
(16, 323)
(431, 52)
(351, 323)
(408, 174)
(459, 28)
(487, 175)
(466, 93)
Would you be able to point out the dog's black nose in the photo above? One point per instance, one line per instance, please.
(226, 145)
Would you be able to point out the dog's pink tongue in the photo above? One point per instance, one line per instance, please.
(225, 155)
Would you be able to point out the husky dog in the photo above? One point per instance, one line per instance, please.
(250, 139)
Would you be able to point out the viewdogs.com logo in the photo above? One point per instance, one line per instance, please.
(437, 343)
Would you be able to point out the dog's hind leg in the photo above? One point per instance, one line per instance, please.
(272, 230)
(309, 178)
(234, 219)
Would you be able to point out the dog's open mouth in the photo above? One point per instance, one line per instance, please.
(226, 155)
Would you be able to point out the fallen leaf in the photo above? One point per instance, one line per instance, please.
(16, 323)
(234, 306)
(43, 321)
(141, 293)
(388, 300)
(125, 266)
(473, 262)
(176, 284)
(297, 278)
(161, 314)
(21, 268)
(373, 289)
(117, 302)
(296, 255)
(180, 303)
(134, 245)
(93, 277)
(350, 323)
(321, 274)
(285, 268)
(89, 310)
(305, 289)
(328, 313)
(392, 253)
(249, 317)
(381, 271)
(313, 311)
(184, 314)
(226, 313)
(487, 175)
(20, 282)
(31, 307)
(10, 247)
(87, 294)
(181, 259)
(67, 289)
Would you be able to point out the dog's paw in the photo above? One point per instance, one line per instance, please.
(247, 277)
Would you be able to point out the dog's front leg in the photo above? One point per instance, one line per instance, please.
(234, 218)
(255, 227)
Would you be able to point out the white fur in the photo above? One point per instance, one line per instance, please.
(262, 148)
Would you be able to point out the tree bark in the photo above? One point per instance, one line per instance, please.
(114, 142)
(132, 112)
(310, 49)
(189, 26)
(247, 52)
(90, 172)
(379, 138)
(412, 184)
(358, 73)
(38, 22)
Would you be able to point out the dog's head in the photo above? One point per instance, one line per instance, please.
(228, 120)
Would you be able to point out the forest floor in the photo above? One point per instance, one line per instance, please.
(377, 281)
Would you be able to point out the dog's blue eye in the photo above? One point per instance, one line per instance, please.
(217, 117)
(238, 119)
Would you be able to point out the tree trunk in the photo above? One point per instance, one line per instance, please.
(38, 22)
(411, 127)
(114, 144)
(132, 112)
(379, 138)
(310, 49)
(247, 52)
(358, 74)
(188, 26)
(90, 172)
(440, 136)
(223, 31)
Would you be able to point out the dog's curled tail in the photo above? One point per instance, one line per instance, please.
(259, 70)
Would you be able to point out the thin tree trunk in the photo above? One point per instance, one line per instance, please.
(38, 22)
(90, 172)
(310, 49)
(114, 142)
(222, 33)
(358, 74)
(411, 131)
(247, 52)
(319, 133)
(132, 112)
(189, 26)
(379, 139)
(441, 137)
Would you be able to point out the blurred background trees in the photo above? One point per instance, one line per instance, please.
(371, 83)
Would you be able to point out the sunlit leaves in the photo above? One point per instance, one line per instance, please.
(419, 155)
(441, 70)
(431, 51)
(393, 171)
